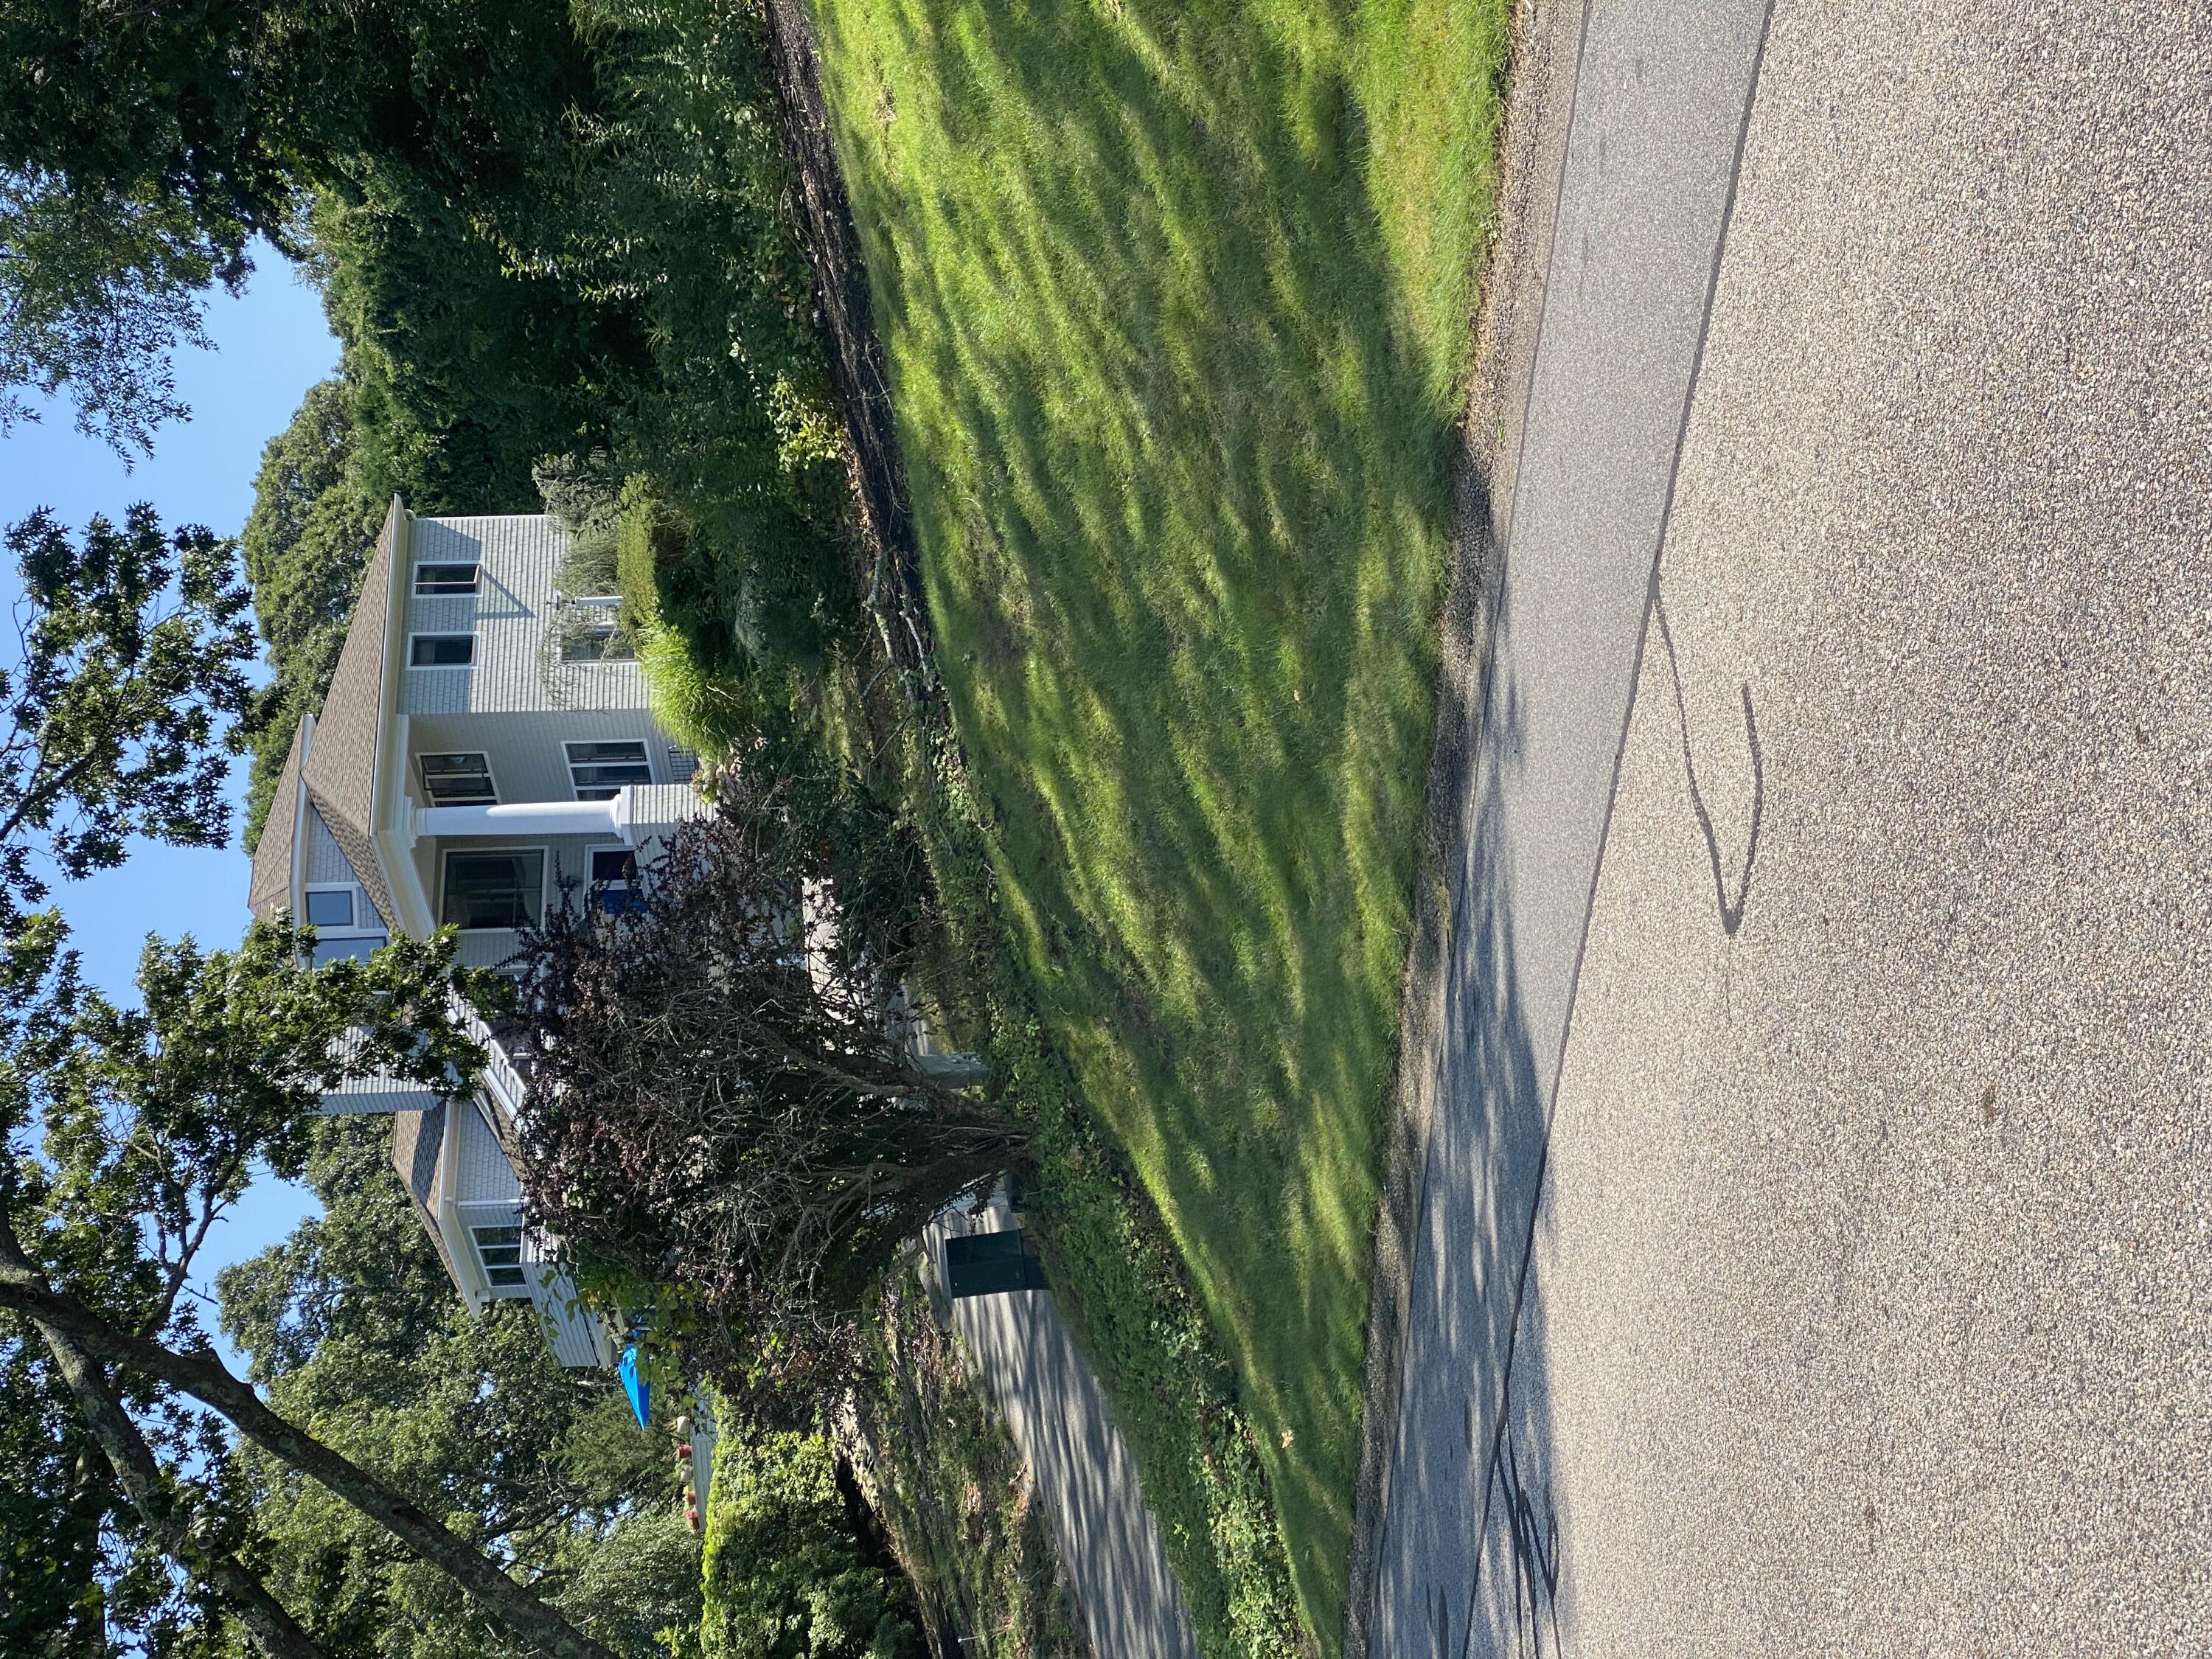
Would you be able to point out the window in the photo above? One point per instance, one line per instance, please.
(329, 907)
(494, 890)
(444, 579)
(441, 651)
(457, 780)
(345, 928)
(614, 869)
(358, 948)
(499, 1249)
(598, 769)
(598, 640)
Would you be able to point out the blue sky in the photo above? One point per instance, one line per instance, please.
(272, 343)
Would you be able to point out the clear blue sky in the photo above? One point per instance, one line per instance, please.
(271, 345)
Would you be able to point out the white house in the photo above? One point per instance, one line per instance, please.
(483, 738)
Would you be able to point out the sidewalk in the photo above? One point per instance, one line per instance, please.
(1053, 1409)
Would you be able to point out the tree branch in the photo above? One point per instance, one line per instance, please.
(204, 1377)
(140, 1475)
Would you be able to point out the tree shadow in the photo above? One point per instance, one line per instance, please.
(1182, 486)
(1731, 910)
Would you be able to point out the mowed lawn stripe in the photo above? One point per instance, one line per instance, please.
(1176, 301)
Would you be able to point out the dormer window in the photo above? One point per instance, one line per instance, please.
(500, 1250)
(444, 579)
(457, 780)
(329, 907)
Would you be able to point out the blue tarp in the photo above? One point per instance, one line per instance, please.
(639, 1390)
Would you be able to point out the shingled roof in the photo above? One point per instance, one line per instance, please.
(416, 1140)
(340, 762)
(272, 885)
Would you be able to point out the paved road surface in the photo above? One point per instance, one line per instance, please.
(1109, 1542)
(1870, 1309)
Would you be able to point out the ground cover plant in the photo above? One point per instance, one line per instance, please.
(955, 1496)
(1177, 302)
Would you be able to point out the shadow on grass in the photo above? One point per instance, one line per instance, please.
(1180, 465)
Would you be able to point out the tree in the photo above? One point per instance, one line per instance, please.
(726, 1097)
(307, 542)
(788, 1576)
(130, 666)
(97, 290)
(131, 1131)
(357, 1335)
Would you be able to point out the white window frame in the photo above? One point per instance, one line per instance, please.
(645, 759)
(446, 856)
(596, 630)
(627, 884)
(441, 634)
(470, 592)
(484, 754)
(520, 1287)
(367, 924)
(360, 904)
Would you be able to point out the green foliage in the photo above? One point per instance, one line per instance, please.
(1117, 1274)
(130, 1132)
(354, 1330)
(97, 289)
(1178, 303)
(786, 1577)
(306, 542)
(134, 650)
(463, 369)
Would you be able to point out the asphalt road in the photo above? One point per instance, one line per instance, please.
(1816, 1255)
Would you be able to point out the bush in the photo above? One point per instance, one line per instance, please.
(787, 1574)
(728, 1101)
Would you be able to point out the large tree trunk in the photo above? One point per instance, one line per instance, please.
(141, 1477)
(204, 1377)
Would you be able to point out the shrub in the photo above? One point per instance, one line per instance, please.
(786, 1575)
(727, 1100)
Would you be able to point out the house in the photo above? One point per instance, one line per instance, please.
(485, 738)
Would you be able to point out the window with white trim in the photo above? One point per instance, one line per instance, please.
(598, 770)
(501, 888)
(441, 650)
(446, 578)
(500, 1250)
(613, 878)
(331, 907)
(457, 780)
(344, 925)
(596, 638)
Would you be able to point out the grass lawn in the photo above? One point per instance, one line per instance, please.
(1177, 300)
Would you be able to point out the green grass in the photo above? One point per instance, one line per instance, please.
(1177, 302)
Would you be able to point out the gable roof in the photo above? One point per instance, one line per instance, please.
(417, 1139)
(339, 760)
(272, 885)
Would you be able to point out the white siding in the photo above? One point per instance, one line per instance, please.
(577, 1337)
(517, 667)
(526, 751)
(326, 863)
(483, 1175)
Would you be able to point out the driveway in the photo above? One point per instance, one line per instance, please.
(1816, 1248)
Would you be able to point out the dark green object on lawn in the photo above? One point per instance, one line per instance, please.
(985, 1264)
